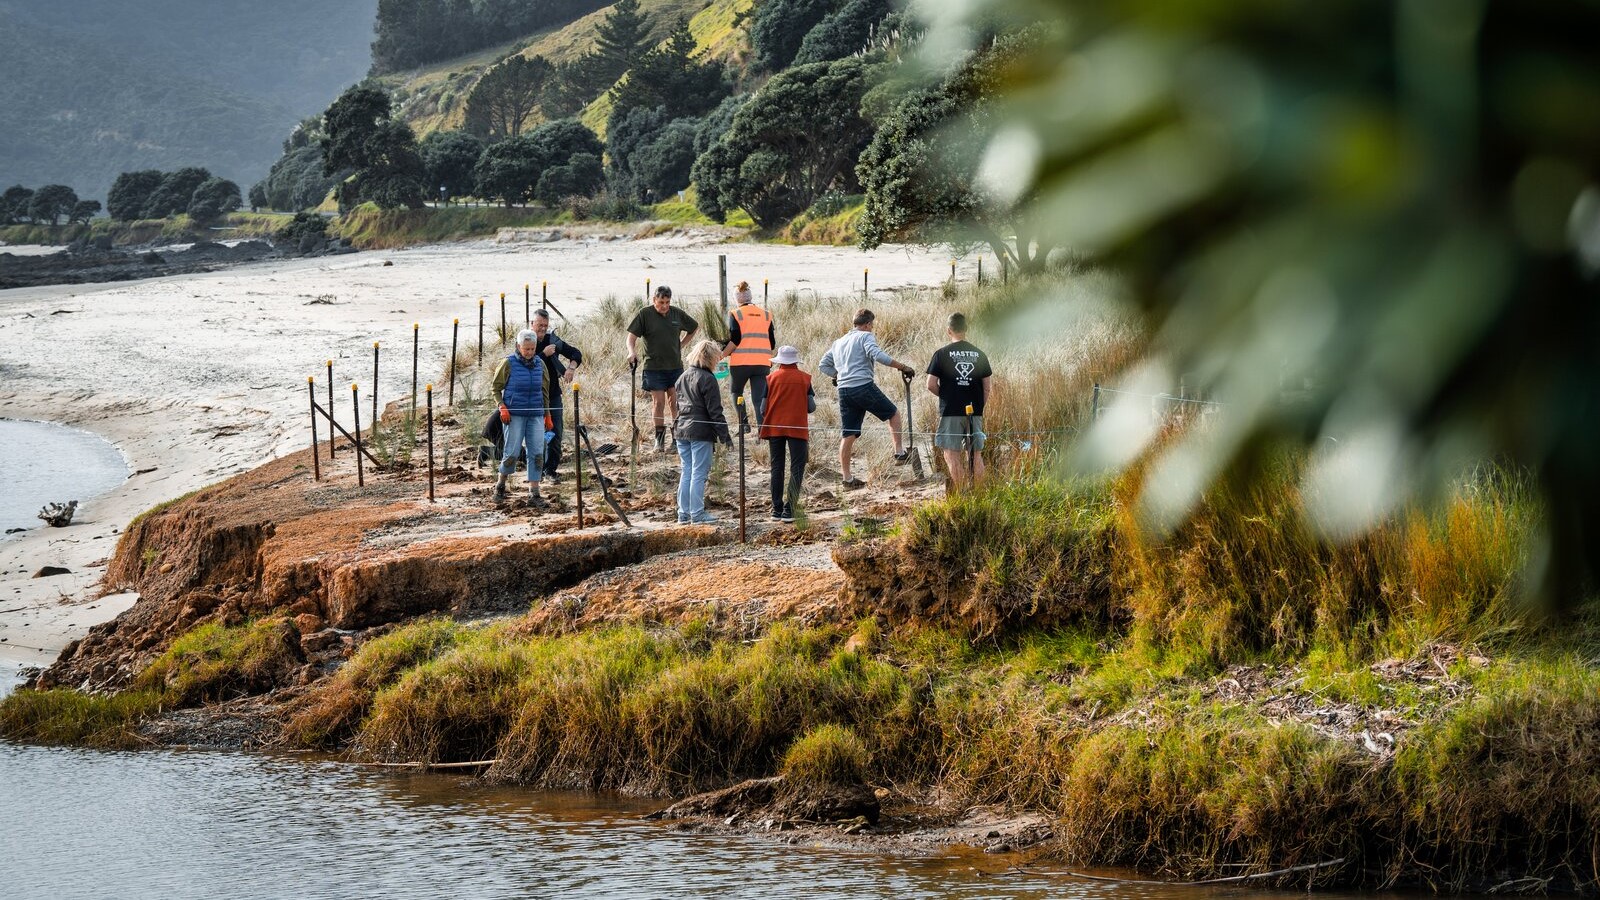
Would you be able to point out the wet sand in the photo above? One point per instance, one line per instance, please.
(196, 378)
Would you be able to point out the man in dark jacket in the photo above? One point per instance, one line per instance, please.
(561, 361)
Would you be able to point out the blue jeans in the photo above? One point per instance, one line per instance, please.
(524, 431)
(695, 468)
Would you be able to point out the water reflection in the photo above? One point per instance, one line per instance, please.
(191, 824)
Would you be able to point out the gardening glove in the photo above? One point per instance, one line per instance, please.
(505, 415)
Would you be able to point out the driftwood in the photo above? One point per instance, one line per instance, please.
(59, 515)
(475, 764)
(1232, 879)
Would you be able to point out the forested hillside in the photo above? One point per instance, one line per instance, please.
(755, 110)
(93, 88)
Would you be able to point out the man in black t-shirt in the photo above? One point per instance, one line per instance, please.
(960, 376)
(665, 330)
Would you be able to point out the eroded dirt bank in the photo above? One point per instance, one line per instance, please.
(336, 561)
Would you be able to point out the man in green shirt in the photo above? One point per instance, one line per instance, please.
(666, 331)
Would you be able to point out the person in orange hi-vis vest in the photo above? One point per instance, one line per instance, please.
(751, 339)
(786, 428)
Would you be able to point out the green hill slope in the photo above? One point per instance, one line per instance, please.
(106, 86)
(435, 97)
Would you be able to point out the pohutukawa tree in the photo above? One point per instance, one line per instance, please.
(506, 100)
(774, 161)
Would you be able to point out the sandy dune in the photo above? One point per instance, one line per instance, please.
(198, 377)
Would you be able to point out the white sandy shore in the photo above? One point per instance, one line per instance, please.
(199, 377)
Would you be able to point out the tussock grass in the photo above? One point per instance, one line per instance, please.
(1034, 554)
(213, 662)
(832, 227)
(451, 708)
(68, 717)
(826, 755)
(329, 716)
(208, 664)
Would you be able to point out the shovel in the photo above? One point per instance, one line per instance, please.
(605, 483)
(911, 440)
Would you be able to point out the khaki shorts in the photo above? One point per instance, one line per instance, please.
(952, 433)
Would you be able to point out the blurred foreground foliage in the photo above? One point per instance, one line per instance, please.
(1372, 227)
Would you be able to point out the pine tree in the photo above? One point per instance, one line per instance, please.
(621, 38)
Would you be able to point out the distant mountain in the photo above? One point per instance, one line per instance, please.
(91, 88)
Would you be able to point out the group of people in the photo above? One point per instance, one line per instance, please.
(529, 420)
(783, 398)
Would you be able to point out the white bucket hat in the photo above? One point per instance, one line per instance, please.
(787, 356)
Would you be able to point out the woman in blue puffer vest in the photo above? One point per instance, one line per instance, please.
(519, 382)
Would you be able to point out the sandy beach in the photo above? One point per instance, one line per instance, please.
(198, 377)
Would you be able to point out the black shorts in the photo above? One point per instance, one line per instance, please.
(856, 402)
(661, 379)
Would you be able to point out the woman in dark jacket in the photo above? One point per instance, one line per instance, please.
(700, 422)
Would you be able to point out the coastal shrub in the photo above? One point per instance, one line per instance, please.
(305, 226)
(826, 755)
(68, 717)
(330, 714)
(214, 663)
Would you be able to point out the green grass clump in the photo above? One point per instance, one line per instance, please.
(68, 717)
(1216, 788)
(828, 223)
(826, 755)
(214, 663)
(1510, 777)
(451, 708)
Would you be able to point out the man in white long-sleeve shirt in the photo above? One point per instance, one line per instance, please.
(849, 362)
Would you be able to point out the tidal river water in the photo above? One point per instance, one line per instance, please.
(172, 824)
(46, 463)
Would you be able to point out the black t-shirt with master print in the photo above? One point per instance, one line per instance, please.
(961, 369)
(662, 336)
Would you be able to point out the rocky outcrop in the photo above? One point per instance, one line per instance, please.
(90, 262)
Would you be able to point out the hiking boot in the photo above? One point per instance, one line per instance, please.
(705, 518)
(535, 499)
(903, 457)
(500, 489)
(787, 515)
(552, 477)
(852, 482)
